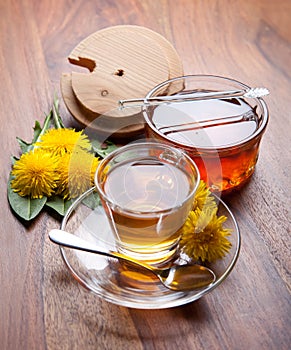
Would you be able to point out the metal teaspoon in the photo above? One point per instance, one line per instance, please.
(196, 96)
(177, 277)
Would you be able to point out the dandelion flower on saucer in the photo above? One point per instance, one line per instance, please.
(76, 172)
(35, 174)
(204, 237)
(63, 140)
(203, 198)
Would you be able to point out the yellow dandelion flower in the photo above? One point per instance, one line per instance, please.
(203, 198)
(204, 237)
(35, 174)
(76, 172)
(61, 141)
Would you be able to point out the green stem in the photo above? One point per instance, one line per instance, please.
(58, 121)
(45, 126)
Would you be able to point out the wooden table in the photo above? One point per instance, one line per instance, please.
(41, 305)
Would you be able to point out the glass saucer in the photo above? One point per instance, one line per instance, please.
(118, 282)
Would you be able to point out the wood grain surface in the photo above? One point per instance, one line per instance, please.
(41, 305)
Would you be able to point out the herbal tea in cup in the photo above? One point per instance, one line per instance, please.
(147, 191)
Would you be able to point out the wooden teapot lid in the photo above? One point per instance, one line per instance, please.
(122, 62)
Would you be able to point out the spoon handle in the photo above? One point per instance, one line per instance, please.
(200, 95)
(70, 240)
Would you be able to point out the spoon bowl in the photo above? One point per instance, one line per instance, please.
(176, 277)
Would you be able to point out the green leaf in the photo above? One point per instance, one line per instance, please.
(45, 127)
(23, 145)
(14, 159)
(37, 130)
(104, 148)
(59, 204)
(25, 207)
(92, 201)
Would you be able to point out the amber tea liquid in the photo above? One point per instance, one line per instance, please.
(214, 125)
(143, 192)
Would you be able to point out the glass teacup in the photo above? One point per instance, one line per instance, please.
(147, 190)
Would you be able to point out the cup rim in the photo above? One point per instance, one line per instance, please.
(259, 131)
(140, 145)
